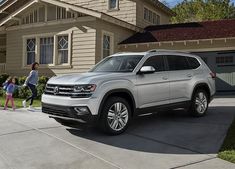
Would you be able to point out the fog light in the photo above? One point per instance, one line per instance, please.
(81, 110)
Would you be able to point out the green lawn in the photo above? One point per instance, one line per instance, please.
(227, 151)
(18, 102)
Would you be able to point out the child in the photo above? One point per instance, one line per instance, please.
(31, 81)
(9, 86)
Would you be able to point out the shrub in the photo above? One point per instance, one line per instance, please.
(43, 80)
(22, 80)
(40, 89)
(24, 92)
(3, 78)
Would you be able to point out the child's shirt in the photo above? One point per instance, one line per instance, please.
(10, 88)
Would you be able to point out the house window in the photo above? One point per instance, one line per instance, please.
(224, 59)
(31, 46)
(31, 17)
(107, 44)
(46, 50)
(51, 49)
(113, 4)
(146, 14)
(41, 13)
(63, 47)
(61, 13)
(151, 16)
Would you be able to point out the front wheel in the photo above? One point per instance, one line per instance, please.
(115, 116)
(199, 103)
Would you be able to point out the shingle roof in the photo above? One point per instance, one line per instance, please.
(185, 31)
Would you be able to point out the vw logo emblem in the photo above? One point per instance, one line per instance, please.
(56, 90)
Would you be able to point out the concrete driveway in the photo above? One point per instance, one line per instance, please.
(30, 140)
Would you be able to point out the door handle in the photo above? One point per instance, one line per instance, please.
(189, 75)
(165, 78)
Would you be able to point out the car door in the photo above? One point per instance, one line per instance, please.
(153, 89)
(180, 76)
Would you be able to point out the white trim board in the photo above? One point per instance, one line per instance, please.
(76, 8)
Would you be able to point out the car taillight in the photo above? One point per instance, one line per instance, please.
(213, 75)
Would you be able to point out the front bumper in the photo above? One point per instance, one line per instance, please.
(59, 101)
(68, 113)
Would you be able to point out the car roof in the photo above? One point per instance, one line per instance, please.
(157, 52)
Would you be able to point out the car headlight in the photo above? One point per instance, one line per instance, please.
(84, 88)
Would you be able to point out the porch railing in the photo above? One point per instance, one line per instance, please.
(2, 68)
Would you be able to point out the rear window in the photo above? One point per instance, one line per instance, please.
(193, 62)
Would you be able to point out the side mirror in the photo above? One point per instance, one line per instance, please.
(147, 70)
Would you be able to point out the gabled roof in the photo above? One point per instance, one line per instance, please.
(11, 11)
(162, 7)
(185, 31)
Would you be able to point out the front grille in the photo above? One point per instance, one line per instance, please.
(64, 90)
(59, 90)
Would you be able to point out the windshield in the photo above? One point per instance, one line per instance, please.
(118, 64)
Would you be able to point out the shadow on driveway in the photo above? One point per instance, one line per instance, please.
(170, 129)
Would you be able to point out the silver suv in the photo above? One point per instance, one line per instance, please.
(126, 85)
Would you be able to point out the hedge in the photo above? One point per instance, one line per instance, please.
(24, 92)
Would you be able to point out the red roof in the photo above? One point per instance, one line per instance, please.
(185, 31)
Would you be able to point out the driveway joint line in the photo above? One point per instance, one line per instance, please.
(193, 163)
(16, 132)
(70, 144)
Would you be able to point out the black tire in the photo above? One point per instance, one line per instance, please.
(197, 104)
(104, 122)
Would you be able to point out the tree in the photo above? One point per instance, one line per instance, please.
(203, 10)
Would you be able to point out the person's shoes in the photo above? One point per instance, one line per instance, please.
(5, 108)
(31, 108)
(24, 103)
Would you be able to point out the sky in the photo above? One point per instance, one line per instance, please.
(172, 3)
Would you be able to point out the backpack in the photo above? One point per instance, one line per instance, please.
(5, 86)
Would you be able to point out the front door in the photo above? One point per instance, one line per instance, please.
(153, 89)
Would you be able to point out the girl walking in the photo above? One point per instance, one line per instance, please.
(9, 86)
(32, 81)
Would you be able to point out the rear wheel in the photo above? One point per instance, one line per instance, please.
(199, 103)
(115, 116)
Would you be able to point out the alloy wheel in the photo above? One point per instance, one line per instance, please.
(201, 103)
(118, 116)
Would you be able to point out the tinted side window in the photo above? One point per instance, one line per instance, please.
(194, 64)
(178, 63)
(157, 62)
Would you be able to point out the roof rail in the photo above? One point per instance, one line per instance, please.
(165, 50)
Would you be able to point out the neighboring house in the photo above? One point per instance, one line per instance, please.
(214, 41)
(69, 36)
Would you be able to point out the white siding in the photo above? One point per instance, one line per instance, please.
(126, 13)
(83, 48)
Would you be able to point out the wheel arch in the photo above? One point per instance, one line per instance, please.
(124, 93)
(203, 86)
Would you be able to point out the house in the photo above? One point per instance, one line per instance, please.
(214, 41)
(70, 36)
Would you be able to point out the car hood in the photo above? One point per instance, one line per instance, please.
(84, 78)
